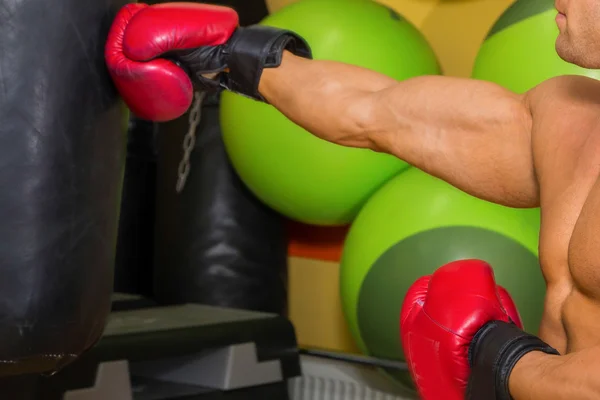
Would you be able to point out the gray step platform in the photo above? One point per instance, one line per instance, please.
(176, 352)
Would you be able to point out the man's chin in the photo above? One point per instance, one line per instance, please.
(564, 51)
(567, 52)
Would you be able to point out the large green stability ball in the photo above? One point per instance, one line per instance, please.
(294, 172)
(412, 226)
(519, 51)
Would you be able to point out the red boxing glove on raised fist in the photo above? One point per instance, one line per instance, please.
(440, 316)
(156, 88)
(158, 55)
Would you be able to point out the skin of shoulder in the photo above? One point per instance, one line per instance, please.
(565, 114)
(564, 93)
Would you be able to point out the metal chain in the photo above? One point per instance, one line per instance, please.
(189, 141)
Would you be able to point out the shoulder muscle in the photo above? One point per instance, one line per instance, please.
(566, 115)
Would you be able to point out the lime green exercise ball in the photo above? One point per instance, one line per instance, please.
(295, 173)
(413, 225)
(519, 51)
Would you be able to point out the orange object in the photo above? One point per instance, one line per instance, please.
(316, 242)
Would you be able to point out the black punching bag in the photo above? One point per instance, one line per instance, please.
(61, 164)
(249, 11)
(216, 244)
(135, 257)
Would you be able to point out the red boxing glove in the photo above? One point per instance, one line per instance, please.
(155, 88)
(440, 316)
(510, 306)
(159, 55)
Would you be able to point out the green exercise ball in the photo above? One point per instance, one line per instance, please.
(297, 174)
(519, 51)
(413, 225)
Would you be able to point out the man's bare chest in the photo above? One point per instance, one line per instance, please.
(584, 244)
(570, 259)
(570, 228)
(566, 154)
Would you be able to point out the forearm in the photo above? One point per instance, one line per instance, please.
(327, 98)
(474, 135)
(574, 376)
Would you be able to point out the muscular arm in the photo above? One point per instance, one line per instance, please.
(575, 376)
(475, 135)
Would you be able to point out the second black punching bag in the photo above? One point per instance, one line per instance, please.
(62, 148)
(216, 243)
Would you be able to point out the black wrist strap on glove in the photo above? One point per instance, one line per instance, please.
(255, 48)
(242, 59)
(493, 353)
